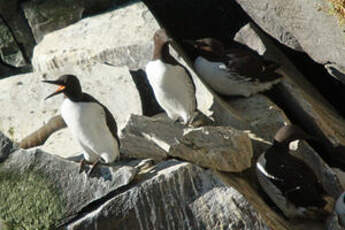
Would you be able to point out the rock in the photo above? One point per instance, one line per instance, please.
(191, 198)
(120, 37)
(299, 97)
(221, 148)
(48, 188)
(112, 86)
(13, 15)
(302, 26)
(9, 50)
(47, 16)
(6, 147)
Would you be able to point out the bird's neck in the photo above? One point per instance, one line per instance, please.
(161, 52)
(75, 97)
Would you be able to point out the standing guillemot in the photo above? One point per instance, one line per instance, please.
(171, 82)
(91, 123)
(237, 71)
(287, 180)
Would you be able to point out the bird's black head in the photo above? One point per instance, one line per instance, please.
(289, 133)
(68, 85)
(207, 47)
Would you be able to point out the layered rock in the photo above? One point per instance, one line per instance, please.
(304, 101)
(175, 195)
(304, 26)
(221, 148)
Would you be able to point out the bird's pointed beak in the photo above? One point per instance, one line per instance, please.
(58, 91)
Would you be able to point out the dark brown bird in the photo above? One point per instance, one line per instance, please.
(287, 180)
(236, 71)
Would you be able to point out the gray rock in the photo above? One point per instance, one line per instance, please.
(302, 100)
(6, 147)
(47, 16)
(175, 195)
(221, 148)
(302, 25)
(47, 188)
(9, 50)
(120, 37)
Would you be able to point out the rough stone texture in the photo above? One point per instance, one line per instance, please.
(221, 148)
(304, 101)
(10, 53)
(302, 25)
(175, 195)
(333, 223)
(6, 147)
(22, 98)
(47, 16)
(53, 188)
(120, 37)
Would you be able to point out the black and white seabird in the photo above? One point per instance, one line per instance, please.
(91, 123)
(340, 209)
(236, 71)
(287, 180)
(171, 82)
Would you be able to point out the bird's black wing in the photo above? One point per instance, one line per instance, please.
(250, 65)
(296, 180)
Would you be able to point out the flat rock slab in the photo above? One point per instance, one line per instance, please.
(221, 148)
(120, 37)
(25, 109)
(175, 195)
(38, 189)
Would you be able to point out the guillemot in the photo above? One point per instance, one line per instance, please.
(287, 180)
(90, 122)
(237, 71)
(340, 209)
(171, 82)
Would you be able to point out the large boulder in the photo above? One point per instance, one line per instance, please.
(302, 25)
(120, 37)
(221, 148)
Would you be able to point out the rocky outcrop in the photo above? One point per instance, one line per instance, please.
(107, 41)
(169, 193)
(54, 188)
(302, 25)
(190, 198)
(220, 148)
(309, 108)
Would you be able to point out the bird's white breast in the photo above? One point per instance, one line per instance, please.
(87, 123)
(173, 89)
(223, 82)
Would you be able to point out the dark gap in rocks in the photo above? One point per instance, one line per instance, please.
(329, 87)
(93, 8)
(220, 19)
(150, 105)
